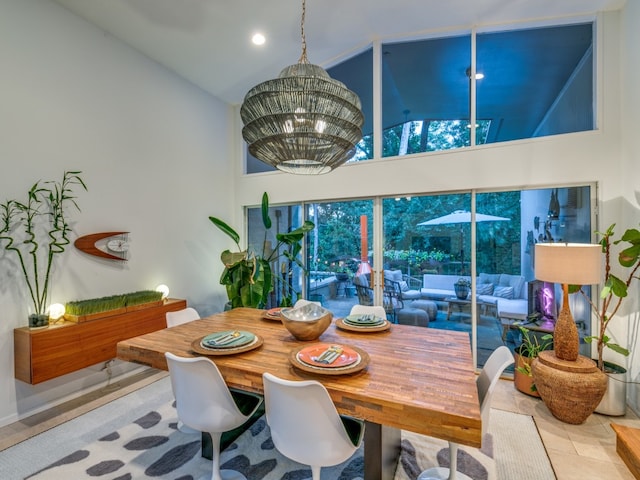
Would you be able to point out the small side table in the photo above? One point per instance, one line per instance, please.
(512, 321)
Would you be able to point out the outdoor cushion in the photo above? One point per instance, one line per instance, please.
(361, 280)
(484, 288)
(395, 275)
(515, 281)
(503, 292)
(489, 278)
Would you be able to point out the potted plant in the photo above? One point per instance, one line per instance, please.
(248, 276)
(343, 273)
(36, 231)
(461, 287)
(524, 354)
(613, 292)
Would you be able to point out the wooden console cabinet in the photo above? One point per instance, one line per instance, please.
(41, 355)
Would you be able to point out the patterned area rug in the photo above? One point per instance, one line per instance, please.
(153, 447)
(136, 437)
(419, 453)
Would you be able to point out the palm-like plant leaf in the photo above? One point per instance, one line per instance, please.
(226, 229)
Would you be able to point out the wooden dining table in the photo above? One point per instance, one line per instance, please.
(417, 379)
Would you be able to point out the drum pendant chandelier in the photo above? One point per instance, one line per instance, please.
(304, 121)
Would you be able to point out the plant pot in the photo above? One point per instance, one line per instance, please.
(571, 389)
(522, 381)
(37, 321)
(462, 291)
(614, 402)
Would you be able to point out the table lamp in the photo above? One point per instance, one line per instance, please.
(571, 385)
(567, 264)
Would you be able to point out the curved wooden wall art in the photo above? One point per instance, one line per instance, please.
(87, 244)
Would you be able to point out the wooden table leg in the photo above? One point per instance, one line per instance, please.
(381, 451)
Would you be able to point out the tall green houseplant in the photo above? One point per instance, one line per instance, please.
(248, 276)
(614, 289)
(37, 230)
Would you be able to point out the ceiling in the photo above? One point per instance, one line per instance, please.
(208, 42)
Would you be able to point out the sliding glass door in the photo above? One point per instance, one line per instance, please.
(340, 254)
(461, 261)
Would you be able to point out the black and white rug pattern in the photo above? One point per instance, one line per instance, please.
(153, 447)
(136, 437)
(418, 453)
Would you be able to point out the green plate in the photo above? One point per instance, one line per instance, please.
(363, 320)
(228, 339)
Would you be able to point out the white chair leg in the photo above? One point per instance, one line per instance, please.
(440, 473)
(453, 460)
(216, 473)
(315, 472)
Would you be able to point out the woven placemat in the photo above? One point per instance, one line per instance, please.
(357, 367)
(197, 347)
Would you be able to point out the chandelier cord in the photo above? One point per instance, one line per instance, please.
(303, 56)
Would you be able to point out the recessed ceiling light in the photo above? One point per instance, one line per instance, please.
(258, 39)
(478, 74)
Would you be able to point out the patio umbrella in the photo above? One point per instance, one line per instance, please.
(462, 217)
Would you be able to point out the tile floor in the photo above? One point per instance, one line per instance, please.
(577, 452)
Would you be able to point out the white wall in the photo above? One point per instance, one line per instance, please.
(155, 152)
(630, 173)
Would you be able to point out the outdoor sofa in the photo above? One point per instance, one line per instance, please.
(508, 292)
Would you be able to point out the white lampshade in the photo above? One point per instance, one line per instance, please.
(56, 311)
(568, 263)
(164, 290)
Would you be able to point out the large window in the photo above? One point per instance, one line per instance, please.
(536, 82)
(287, 275)
(340, 252)
(425, 95)
(528, 83)
(357, 74)
(428, 243)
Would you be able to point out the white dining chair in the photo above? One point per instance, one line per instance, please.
(305, 425)
(178, 318)
(500, 359)
(181, 316)
(302, 302)
(376, 310)
(205, 403)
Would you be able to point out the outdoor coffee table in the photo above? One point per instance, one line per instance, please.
(463, 307)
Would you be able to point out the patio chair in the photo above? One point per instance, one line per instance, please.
(391, 302)
(407, 288)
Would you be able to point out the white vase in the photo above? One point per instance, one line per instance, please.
(614, 402)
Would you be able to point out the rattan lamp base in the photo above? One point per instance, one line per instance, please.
(571, 390)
